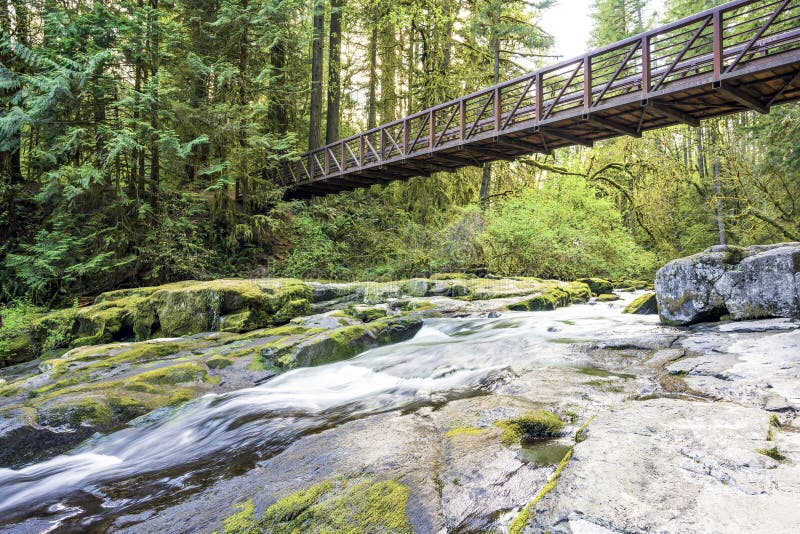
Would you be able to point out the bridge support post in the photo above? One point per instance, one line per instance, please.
(717, 38)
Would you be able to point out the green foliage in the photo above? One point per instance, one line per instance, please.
(565, 230)
(16, 317)
(615, 20)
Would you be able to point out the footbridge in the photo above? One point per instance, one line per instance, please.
(742, 55)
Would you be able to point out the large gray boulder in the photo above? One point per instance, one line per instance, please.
(745, 283)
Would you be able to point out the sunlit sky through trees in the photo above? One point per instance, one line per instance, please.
(569, 22)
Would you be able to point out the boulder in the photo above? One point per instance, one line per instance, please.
(745, 283)
(340, 343)
(643, 305)
(598, 285)
(177, 309)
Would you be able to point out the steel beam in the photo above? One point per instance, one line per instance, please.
(736, 94)
(608, 124)
(567, 137)
(672, 113)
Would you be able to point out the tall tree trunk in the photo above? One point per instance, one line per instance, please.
(278, 111)
(155, 59)
(372, 52)
(701, 155)
(715, 175)
(200, 13)
(242, 182)
(387, 40)
(315, 112)
(334, 68)
(486, 179)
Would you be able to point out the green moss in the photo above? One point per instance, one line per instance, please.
(633, 284)
(167, 376)
(219, 363)
(75, 413)
(292, 309)
(343, 506)
(242, 522)
(578, 291)
(643, 304)
(341, 343)
(773, 453)
(235, 322)
(333, 346)
(774, 424)
(282, 331)
(525, 515)
(107, 405)
(607, 297)
(549, 299)
(598, 285)
(531, 425)
(368, 315)
(464, 431)
(580, 434)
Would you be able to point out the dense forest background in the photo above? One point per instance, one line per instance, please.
(139, 141)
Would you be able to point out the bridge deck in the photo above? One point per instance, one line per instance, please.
(743, 55)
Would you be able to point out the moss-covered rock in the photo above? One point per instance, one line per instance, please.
(531, 425)
(192, 307)
(631, 285)
(178, 309)
(452, 276)
(598, 286)
(549, 299)
(416, 287)
(341, 505)
(578, 291)
(643, 305)
(368, 315)
(17, 349)
(341, 343)
(607, 297)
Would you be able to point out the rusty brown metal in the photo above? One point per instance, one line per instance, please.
(742, 55)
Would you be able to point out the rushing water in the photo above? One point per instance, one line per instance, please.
(169, 454)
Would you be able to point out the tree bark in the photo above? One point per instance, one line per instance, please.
(155, 160)
(280, 116)
(719, 214)
(372, 52)
(242, 185)
(315, 112)
(486, 179)
(334, 68)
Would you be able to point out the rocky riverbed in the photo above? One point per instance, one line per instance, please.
(418, 406)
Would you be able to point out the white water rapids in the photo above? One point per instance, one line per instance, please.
(448, 358)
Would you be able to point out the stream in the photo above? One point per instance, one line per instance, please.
(170, 454)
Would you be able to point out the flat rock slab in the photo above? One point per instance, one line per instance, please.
(748, 364)
(670, 465)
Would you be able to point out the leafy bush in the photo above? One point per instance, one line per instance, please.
(564, 230)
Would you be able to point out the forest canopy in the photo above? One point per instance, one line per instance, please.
(140, 140)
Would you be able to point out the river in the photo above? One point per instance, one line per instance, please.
(170, 454)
